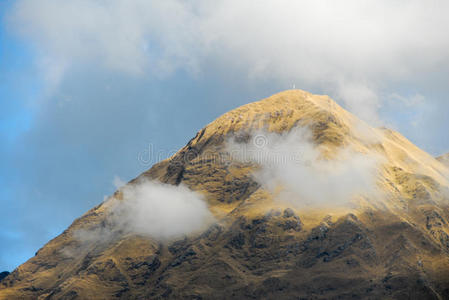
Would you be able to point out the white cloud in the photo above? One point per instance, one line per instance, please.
(159, 210)
(118, 182)
(149, 208)
(129, 36)
(294, 169)
(351, 51)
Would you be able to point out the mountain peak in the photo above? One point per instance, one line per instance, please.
(264, 242)
(280, 113)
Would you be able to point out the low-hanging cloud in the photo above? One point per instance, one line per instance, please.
(296, 170)
(149, 208)
(160, 210)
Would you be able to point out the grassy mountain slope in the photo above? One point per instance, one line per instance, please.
(261, 248)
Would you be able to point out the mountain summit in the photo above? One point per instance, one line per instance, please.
(290, 197)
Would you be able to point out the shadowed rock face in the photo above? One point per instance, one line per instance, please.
(3, 275)
(261, 248)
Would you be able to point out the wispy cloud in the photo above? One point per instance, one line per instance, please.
(296, 170)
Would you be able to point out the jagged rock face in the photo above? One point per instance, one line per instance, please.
(260, 248)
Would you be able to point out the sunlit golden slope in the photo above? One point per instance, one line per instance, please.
(395, 248)
(444, 159)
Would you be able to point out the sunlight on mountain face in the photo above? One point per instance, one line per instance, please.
(276, 193)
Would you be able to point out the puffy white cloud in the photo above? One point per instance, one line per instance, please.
(149, 208)
(159, 210)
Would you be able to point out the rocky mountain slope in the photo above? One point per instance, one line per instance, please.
(444, 159)
(393, 246)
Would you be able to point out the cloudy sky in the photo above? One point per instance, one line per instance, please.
(91, 90)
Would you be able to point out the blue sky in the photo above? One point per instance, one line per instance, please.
(17, 87)
(17, 83)
(87, 87)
